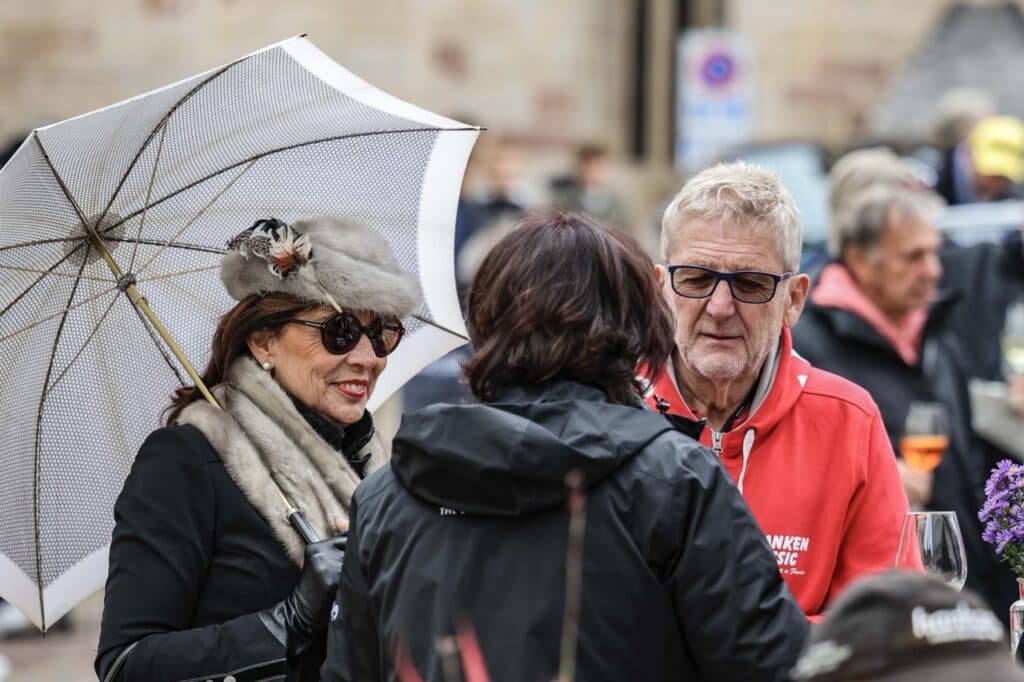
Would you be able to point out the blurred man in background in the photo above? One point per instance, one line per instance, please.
(877, 317)
(590, 189)
(496, 192)
(868, 310)
(988, 165)
(806, 448)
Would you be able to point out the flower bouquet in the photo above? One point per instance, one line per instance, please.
(1003, 516)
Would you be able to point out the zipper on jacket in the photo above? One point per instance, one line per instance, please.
(716, 442)
(118, 662)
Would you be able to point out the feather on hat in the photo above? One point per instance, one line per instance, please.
(327, 261)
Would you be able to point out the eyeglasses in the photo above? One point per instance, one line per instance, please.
(746, 286)
(340, 333)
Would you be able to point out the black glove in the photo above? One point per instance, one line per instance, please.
(298, 619)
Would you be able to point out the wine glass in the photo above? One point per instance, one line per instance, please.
(1012, 338)
(932, 541)
(925, 436)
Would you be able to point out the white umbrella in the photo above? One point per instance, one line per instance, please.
(135, 202)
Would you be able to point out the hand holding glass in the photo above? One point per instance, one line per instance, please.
(932, 541)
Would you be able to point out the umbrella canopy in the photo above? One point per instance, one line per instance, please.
(142, 196)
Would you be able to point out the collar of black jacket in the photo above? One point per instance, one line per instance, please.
(511, 457)
(348, 440)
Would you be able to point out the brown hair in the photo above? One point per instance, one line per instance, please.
(252, 314)
(564, 297)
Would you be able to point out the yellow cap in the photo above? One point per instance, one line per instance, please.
(997, 147)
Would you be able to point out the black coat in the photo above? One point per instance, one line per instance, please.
(987, 278)
(468, 527)
(840, 342)
(191, 564)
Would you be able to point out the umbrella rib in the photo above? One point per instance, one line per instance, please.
(18, 268)
(186, 246)
(278, 150)
(159, 346)
(218, 195)
(63, 185)
(148, 242)
(40, 279)
(81, 350)
(149, 193)
(426, 320)
(38, 242)
(169, 275)
(65, 311)
(177, 105)
(38, 441)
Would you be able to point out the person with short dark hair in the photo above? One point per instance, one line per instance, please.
(464, 537)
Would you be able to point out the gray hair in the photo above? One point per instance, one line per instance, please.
(856, 171)
(958, 110)
(743, 194)
(868, 214)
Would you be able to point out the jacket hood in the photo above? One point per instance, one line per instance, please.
(511, 457)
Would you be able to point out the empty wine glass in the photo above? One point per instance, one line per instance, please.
(932, 541)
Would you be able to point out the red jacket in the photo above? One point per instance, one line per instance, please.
(820, 476)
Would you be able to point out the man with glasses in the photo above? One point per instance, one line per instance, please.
(806, 448)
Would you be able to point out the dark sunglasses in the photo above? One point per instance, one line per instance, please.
(340, 333)
(746, 286)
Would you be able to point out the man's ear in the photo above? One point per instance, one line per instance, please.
(661, 273)
(796, 296)
(261, 345)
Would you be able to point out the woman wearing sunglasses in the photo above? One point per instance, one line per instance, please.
(208, 580)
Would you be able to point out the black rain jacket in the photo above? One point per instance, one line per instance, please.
(467, 531)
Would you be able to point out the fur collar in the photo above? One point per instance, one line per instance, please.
(261, 439)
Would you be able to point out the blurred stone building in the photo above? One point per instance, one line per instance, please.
(547, 75)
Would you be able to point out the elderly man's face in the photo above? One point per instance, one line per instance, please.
(901, 273)
(720, 338)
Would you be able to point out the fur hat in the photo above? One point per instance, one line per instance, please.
(339, 264)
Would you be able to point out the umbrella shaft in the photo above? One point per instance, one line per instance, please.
(140, 302)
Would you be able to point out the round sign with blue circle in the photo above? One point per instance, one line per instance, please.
(717, 69)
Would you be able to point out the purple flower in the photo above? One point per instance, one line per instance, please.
(1003, 513)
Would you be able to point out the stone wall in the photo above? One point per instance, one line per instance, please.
(824, 64)
(547, 72)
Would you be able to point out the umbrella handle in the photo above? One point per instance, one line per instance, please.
(302, 527)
